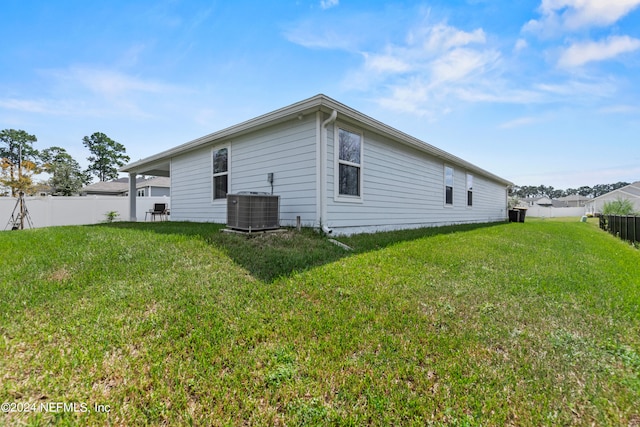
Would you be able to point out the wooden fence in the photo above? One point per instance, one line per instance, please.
(625, 227)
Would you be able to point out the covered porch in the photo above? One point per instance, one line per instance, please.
(146, 168)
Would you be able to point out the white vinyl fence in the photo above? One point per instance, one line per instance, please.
(49, 211)
(551, 212)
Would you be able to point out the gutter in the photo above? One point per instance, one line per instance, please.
(323, 171)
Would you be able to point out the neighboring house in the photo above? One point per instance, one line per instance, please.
(533, 201)
(571, 201)
(152, 187)
(630, 192)
(333, 167)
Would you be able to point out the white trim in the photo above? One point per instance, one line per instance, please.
(337, 197)
(319, 174)
(215, 148)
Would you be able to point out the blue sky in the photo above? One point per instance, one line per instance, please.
(538, 92)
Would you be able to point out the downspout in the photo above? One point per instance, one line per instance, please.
(323, 171)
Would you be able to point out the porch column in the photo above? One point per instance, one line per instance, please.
(132, 197)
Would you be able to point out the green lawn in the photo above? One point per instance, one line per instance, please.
(179, 324)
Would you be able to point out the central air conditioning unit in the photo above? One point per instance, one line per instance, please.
(251, 211)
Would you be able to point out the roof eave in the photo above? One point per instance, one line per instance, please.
(319, 102)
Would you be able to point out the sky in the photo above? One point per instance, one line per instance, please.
(543, 92)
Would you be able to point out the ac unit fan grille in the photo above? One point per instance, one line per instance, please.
(253, 212)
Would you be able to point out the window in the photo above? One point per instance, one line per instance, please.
(220, 173)
(448, 185)
(141, 192)
(469, 189)
(349, 163)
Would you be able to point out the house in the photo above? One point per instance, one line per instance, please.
(533, 201)
(152, 187)
(332, 166)
(630, 192)
(157, 186)
(571, 201)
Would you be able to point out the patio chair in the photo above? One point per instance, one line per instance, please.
(159, 209)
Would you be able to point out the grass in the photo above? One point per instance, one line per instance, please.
(179, 324)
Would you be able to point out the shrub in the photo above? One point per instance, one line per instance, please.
(618, 207)
(111, 216)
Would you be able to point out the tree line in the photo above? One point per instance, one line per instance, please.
(527, 191)
(20, 162)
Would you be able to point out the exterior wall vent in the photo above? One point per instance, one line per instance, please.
(250, 211)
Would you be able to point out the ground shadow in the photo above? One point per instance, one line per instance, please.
(268, 256)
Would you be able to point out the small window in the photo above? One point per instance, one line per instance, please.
(349, 163)
(448, 185)
(469, 190)
(220, 173)
(141, 192)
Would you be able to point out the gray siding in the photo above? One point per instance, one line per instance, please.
(287, 150)
(404, 187)
(191, 190)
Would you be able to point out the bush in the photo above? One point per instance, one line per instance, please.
(111, 216)
(618, 207)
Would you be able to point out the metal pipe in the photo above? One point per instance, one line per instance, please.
(323, 171)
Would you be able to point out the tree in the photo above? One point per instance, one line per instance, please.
(66, 176)
(107, 156)
(18, 160)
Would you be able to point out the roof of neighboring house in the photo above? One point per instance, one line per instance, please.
(158, 164)
(628, 191)
(121, 185)
(157, 181)
(573, 198)
(106, 187)
(542, 201)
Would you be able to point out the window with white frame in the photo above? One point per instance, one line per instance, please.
(448, 185)
(220, 173)
(469, 189)
(349, 163)
(141, 192)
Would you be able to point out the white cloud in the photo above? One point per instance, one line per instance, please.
(26, 105)
(436, 64)
(572, 15)
(578, 89)
(521, 44)
(327, 4)
(581, 53)
(322, 33)
(521, 121)
(442, 37)
(410, 97)
(96, 92)
(386, 63)
(461, 63)
(620, 109)
(53, 107)
(111, 83)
